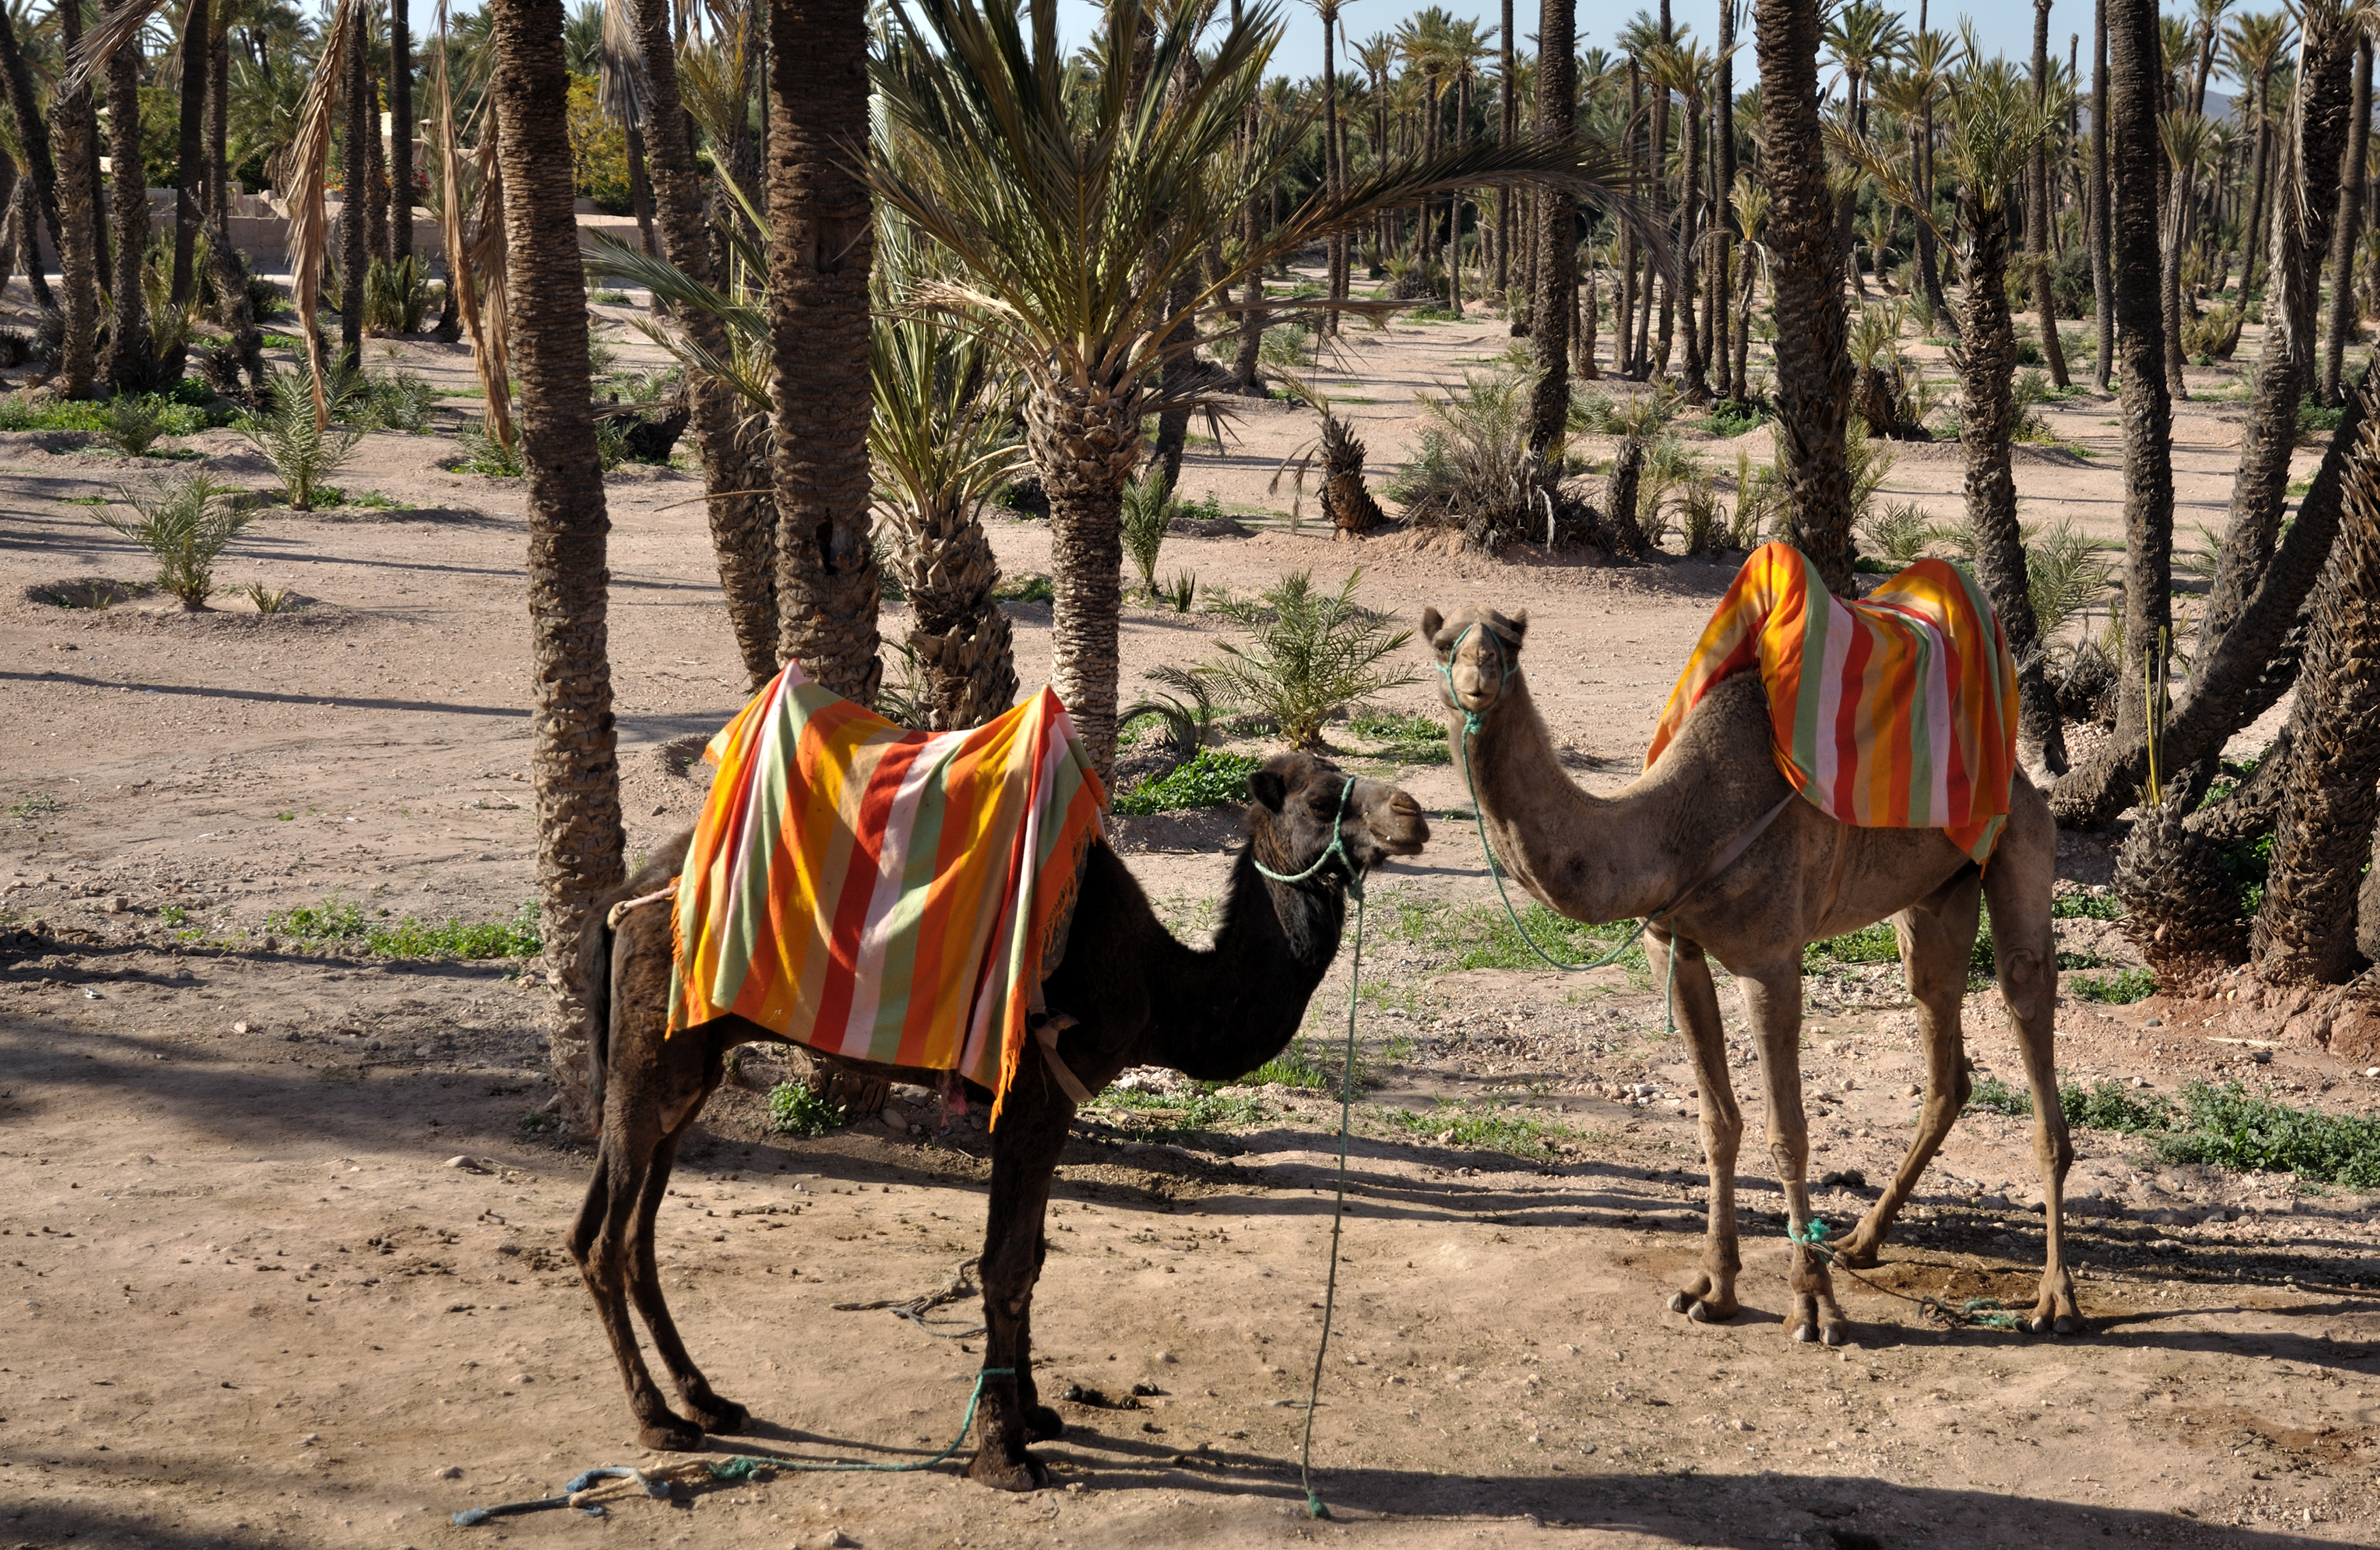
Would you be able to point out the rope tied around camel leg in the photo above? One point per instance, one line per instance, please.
(1976, 1311)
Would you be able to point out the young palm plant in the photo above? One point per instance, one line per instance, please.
(1074, 208)
(184, 522)
(1310, 653)
(303, 450)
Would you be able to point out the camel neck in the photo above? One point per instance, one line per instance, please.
(1591, 858)
(1228, 1009)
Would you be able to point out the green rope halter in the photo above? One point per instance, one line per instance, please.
(1337, 848)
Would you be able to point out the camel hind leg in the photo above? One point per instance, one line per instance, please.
(1937, 939)
(1708, 1297)
(1772, 994)
(720, 1417)
(2025, 952)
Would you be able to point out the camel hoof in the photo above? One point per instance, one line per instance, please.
(1682, 1303)
(1835, 1334)
(1857, 1259)
(2069, 1323)
(1805, 1334)
(1024, 1472)
(1706, 1312)
(1043, 1424)
(671, 1436)
(722, 1418)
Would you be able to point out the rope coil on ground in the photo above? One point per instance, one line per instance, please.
(1983, 1312)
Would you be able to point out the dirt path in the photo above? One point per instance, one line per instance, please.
(249, 1302)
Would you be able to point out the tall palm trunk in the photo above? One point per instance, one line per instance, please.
(2036, 225)
(1813, 373)
(2347, 234)
(2102, 292)
(1556, 233)
(820, 243)
(1690, 213)
(966, 649)
(1986, 362)
(354, 163)
(190, 167)
(1722, 186)
(400, 138)
(219, 123)
(1332, 174)
(376, 243)
(1508, 131)
(2260, 182)
(574, 757)
(2302, 218)
(2330, 791)
(2179, 183)
(131, 367)
(33, 138)
(743, 530)
(1085, 443)
(77, 127)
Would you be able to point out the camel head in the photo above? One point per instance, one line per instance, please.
(1477, 649)
(1298, 807)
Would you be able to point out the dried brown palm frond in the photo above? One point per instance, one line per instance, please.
(486, 344)
(619, 85)
(115, 28)
(304, 163)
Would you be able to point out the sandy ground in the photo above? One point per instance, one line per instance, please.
(191, 1098)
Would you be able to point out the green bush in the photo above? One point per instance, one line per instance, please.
(795, 1110)
(2118, 989)
(1210, 778)
(1309, 653)
(484, 454)
(303, 453)
(390, 936)
(2226, 1126)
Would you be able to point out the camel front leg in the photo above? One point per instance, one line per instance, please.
(601, 1242)
(1937, 937)
(1709, 1296)
(1773, 999)
(2027, 959)
(719, 1416)
(1025, 1147)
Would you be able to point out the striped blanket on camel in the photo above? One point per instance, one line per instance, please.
(1897, 710)
(882, 893)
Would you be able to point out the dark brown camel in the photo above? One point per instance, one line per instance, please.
(1137, 997)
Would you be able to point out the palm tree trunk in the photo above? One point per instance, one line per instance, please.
(72, 121)
(1624, 332)
(219, 125)
(33, 137)
(2261, 180)
(1556, 233)
(1987, 363)
(1508, 131)
(820, 242)
(1084, 443)
(2349, 230)
(354, 165)
(2330, 793)
(1690, 213)
(2036, 225)
(2103, 291)
(28, 245)
(130, 366)
(743, 530)
(574, 756)
(1723, 190)
(400, 138)
(1331, 170)
(376, 192)
(2302, 219)
(2178, 181)
(190, 175)
(963, 641)
(1813, 370)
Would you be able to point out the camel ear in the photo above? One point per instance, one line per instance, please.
(1431, 622)
(1516, 624)
(1268, 788)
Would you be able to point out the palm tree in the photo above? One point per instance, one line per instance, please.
(1997, 128)
(2103, 296)
(1556, 236)
(574, 761)
(1813, 370)
(2346, 230)
(130, 366)
(2257, 45)
(821, 237)
(2038, 204)
(400, 140)
(33, 139)
(190, 174)
(1072, 215)
(1334, 170)
(2330, 791)
(743, 533)
(81, 254)
(2185, 141)
(355, 255)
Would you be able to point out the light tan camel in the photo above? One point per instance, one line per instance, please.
(1804, 878)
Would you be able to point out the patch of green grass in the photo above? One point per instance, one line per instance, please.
(174, 915)
(370, 500)
(283, 341)
(84, 500)
(1033, 588)
(2081, 960)
(1482, 935)
(2227, 1128)
(1205, 1109)
(1408, 740)
(610, 298)
(2087, 906)
(1876, 944)
(1210, 778)
(2119, 988)
(1298, 1066)
(388, 935)
(483, 453)
(795, 1110)
(1480, 1127)
(2316, 421)
(2104, 1105)
(34, 805)
(169, 418)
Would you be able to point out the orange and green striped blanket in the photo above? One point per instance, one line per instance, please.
(883, 893)
(1897, 710)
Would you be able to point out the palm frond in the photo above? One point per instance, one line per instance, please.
(304, 163)
(116, 28)
(621, 86)
(495, 376)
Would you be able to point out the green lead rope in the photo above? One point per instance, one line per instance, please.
(1314, 1505)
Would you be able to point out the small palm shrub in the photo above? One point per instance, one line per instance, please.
(131, 422)
(2065, 573)
(394, 295)
(484, 454)
(1147, 506)
(1473, 469)
(282, 428)
(185, 523)
(1308, 654)
(396, 401)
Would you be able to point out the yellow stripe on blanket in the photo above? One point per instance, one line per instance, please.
(882, 893)
(1897, 710)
